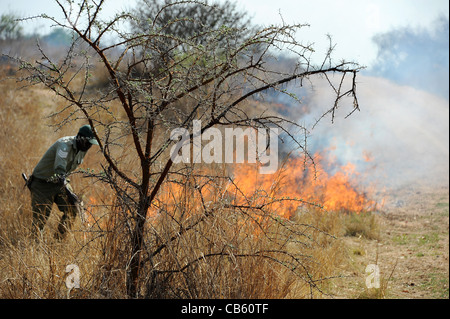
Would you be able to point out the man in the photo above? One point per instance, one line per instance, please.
(48, 183)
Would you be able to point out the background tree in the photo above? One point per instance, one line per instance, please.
(188, 19)
(57, 38)
(191, 20)
(162, 78)
(9, 27)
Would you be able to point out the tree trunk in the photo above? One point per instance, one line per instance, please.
(137, 239)
(137, 242)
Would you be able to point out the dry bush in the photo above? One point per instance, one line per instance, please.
(231, 254)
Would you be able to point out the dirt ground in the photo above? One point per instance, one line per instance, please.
(412, 249)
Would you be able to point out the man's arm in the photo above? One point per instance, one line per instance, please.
(61, 155)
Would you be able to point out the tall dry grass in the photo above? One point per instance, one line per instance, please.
(222, 257)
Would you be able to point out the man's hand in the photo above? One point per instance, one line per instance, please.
(61, 180)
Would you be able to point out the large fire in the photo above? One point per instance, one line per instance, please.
(296, 185)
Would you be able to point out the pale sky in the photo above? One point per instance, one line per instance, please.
(351, 23)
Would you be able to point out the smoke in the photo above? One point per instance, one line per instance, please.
(400, 136)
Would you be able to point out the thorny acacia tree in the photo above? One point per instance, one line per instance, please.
(161, 80)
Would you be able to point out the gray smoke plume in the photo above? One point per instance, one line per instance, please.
(400, 136)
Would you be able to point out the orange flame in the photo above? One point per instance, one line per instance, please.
(332, 192)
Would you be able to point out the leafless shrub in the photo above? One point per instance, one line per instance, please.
(185, 231)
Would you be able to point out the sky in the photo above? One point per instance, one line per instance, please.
(351, 23)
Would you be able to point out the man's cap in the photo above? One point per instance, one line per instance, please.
(86, 131)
